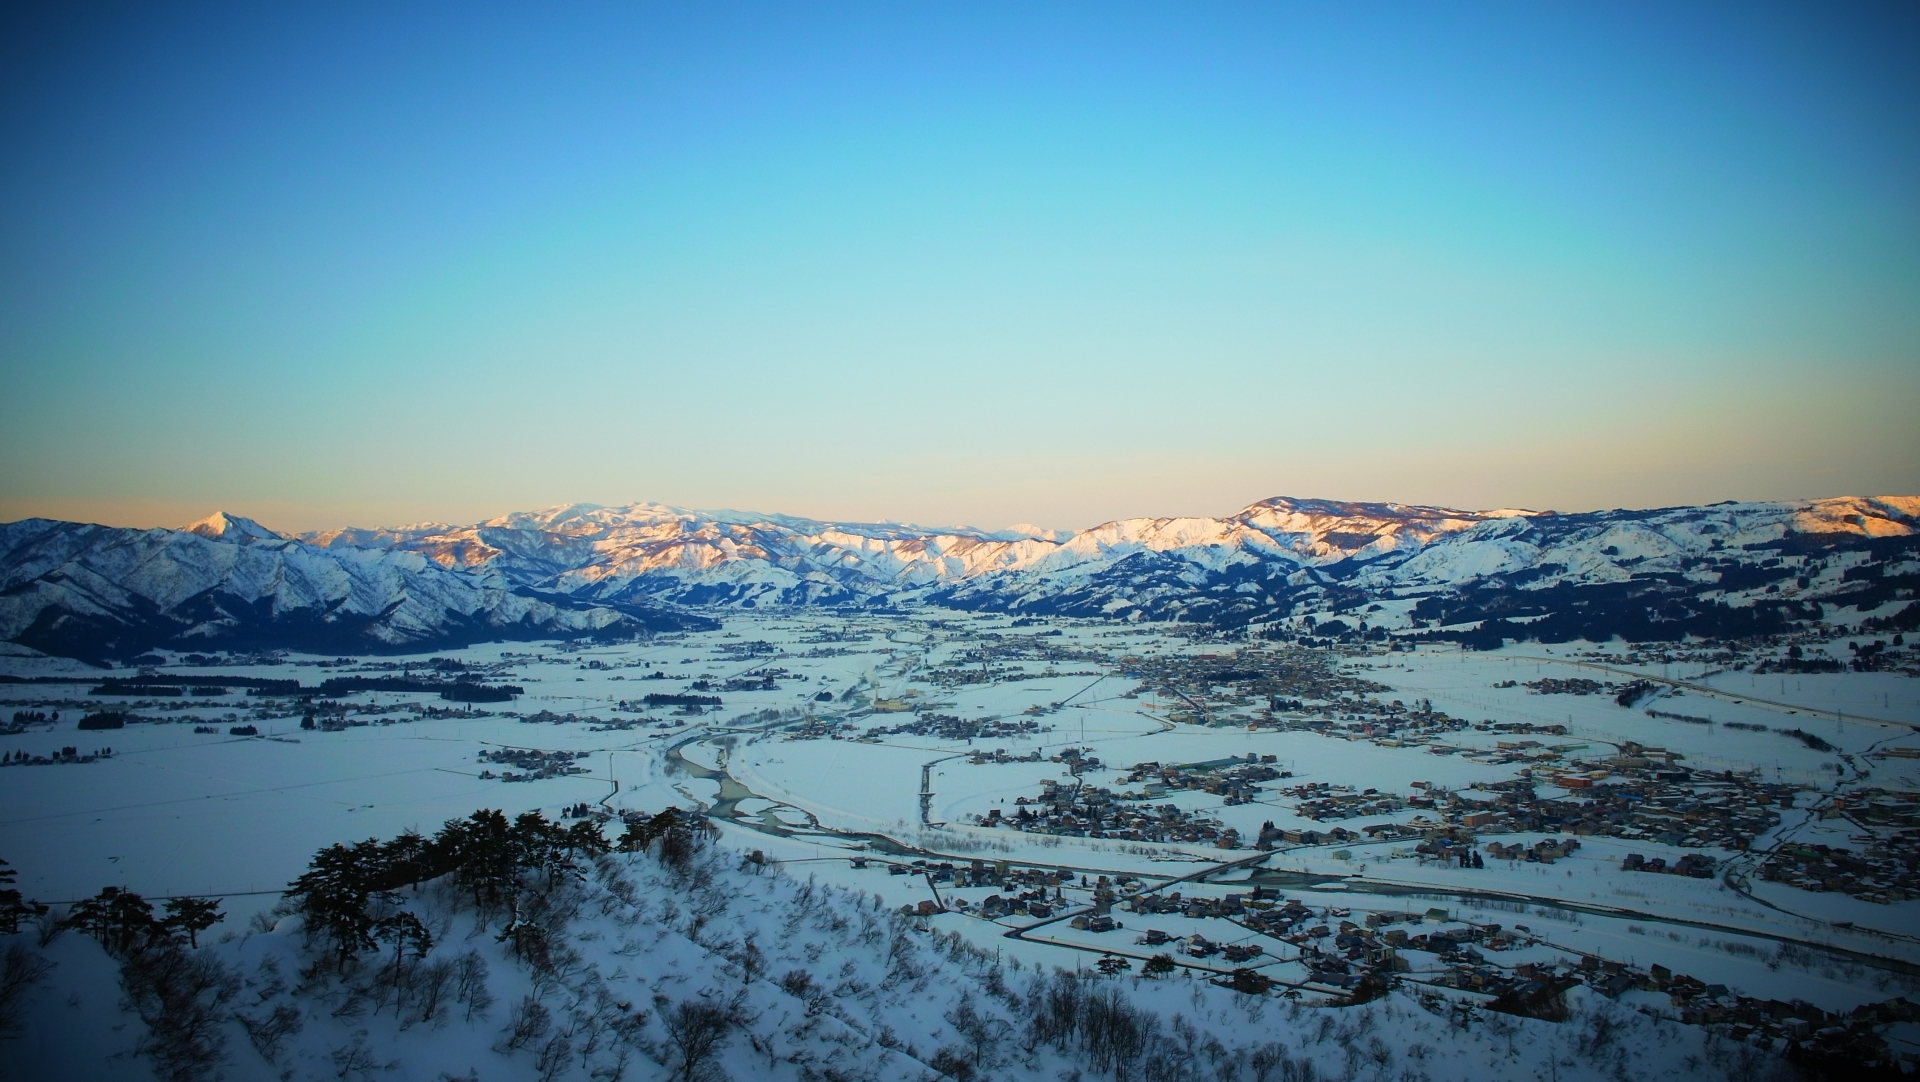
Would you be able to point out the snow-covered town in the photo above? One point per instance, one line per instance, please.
(1343, 828)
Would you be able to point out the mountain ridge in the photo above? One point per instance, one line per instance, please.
(1280, 567)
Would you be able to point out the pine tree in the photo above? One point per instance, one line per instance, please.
(410, 860)
(480, 850)
(121, 920)
(585, 837)
(194, 915)
(403, 930)
(12, 906)
(334, 894)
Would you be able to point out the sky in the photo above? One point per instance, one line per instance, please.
(368, 264)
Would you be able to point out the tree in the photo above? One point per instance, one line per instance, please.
(403, 930)
(948, 1063)
(121, 920)
(1250, 981)
(698, 1029)
(535, 842)
(981, 1033)
(1113, 965)
(193, 915)
(334, 893)
(1159, 965)
(409, 859)
(1370, 987)
(12, 906)
(679, 834)
(20, 970)
(584, 837)
(481, 851)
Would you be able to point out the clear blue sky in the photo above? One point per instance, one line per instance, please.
(372, 263)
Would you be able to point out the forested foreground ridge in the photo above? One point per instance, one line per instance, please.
(535, 949)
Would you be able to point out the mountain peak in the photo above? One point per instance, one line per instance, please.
(221, 526)
(1027, 531)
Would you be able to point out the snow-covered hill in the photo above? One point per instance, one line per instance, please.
(709, 967)
(228, 582)
(1281, 566)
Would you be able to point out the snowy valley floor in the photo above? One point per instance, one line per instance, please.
(806, 953)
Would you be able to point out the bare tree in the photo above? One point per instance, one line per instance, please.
(432, 981)
(528, 1021)
(182, 996)
(981, 1033)
(470, 983)
(20, 970)
(698, 1030)
(270, 1031)
(554, 1057)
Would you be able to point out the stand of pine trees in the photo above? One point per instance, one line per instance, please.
(350, 893)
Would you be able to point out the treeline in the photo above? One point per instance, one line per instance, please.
(1809, 739)
(451, 690)
(349, 895)
(152, 685)
(459, 689)
(662, 699)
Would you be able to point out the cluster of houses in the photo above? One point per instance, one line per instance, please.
(1886, 871)
(534, 765)
(1342, 953)
(758, 680)
(1031, 892)
(1346, 953)
(1645, 801)
(814, 727)
(996, 657)
(1796, 1028)
(1234, 778)
(1001, 755)
(1392, 724)
(1545, 851)
(1252, 686)
(1232, 905)
(1553, 686)
(1271, 836)
(1090, 811)
(1695, 865)
(1025, 892)
(1451, 847)
(1521, 727)
(1199, 946)
(950, 727)
(1325, 802)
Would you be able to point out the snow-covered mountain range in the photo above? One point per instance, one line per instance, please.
(1393, 565)
(1280, 566)
(227, 582)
